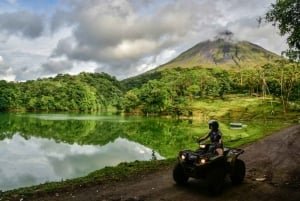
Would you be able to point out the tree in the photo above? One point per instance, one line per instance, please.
(223, 81)
(252, 80)
(130, 100)
(154, 97)
(285, 15)
(282, 78)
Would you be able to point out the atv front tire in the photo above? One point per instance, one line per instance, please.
(215, 180)
(178, 175)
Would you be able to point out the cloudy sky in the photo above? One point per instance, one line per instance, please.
(42, 38)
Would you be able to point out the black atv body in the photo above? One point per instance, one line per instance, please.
(203, 163)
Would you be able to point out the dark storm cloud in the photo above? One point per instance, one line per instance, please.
(56, 67)
(26, 73)
(5, 70)
(21, 23)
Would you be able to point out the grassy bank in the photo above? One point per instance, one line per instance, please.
(240, 107)
(107, 174)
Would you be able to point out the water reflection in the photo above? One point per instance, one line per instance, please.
(36, 148)
(81, 117)
(38, 160)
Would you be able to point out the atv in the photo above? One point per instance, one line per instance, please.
(204, 163)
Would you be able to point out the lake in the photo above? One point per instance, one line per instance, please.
(39, 148)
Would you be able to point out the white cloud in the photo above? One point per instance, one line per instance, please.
(131, 49)
(264, 35)
(121, 33)
(26, 56)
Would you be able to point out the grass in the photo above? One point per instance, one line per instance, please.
(239, 137)
(238, 108)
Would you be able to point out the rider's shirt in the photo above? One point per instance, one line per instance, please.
(215, 136)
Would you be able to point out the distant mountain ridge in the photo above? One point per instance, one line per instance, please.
(224, 54)
(220, 53)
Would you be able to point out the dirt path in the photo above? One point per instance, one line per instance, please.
(273, 173)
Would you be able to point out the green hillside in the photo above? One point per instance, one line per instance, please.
(223, 54)
(83, 92)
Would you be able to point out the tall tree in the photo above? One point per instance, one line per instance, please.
(154, 97)
(285, 14)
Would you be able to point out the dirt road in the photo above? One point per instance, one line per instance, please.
(273, 173)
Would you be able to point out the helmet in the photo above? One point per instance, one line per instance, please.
(213, 124)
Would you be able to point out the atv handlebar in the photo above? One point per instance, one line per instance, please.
(237, 151)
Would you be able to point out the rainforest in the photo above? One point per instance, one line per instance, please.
(172, 92)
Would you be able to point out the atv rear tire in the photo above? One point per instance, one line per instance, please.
(178, 175)
(238, 173)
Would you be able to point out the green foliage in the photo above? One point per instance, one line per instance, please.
(173, 92)
(178, 88)
(130, 100)
(153, 97)
(9, 94)
(285, 15)
(84, 92)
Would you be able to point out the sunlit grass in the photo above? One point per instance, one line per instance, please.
(237, 108)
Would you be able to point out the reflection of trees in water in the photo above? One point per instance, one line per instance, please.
(163, 136)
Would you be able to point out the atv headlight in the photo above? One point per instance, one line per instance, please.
(202, 146)
(182, 157)
(202, 161)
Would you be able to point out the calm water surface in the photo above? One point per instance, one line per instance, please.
(37, 160)
(38, 148)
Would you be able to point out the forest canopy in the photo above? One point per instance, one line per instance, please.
(83, 92)
(167, 92)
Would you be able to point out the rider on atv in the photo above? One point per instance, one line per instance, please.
(203, 163)
(215, 136)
